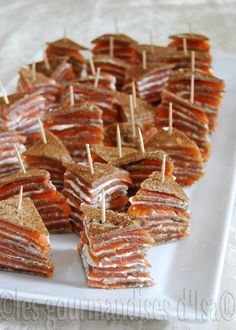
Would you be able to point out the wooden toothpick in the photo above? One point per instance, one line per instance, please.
(46, 61)
(20, 199)
(72, 99)
(132, 115)
(170, 118)
(90, 161)
(20, 159)
(185, 46)
(33, 71)
(193, 61)
(144, 55)
(96, 80)
(163, 168)
(103, 207)
(42, 131)
(192, 89)
(118, 138)
(4, 93)
(134, 95)
(92, 66)
(141, 143)
(111, 47)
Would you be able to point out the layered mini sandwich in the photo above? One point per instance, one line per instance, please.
(75, 127)
(164, 207)
(208, 91)
(188, 118)
(82, 186)
(118, 45)
(8, 161)
(50, 203)
(51, 156)
(185, 154)
(114, 252)
(24, 239)
(105, 99)
(67, 48)
(141, 165)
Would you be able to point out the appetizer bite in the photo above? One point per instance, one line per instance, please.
(24, 239)
(164, 207)
(84, 184)
(50, 155)
(114, 250)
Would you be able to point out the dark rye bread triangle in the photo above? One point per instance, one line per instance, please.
(169, 186)
(102, 172)
(138, 156)
(27, 217)
(110, 154)
(34, 173)
(114, 220)
(191, 36)
(143, 107)
(53, 149)
(175, 54)
(67, 44)
(91, 88)
(41, 79)
(117, 37)
(126, 129)
(183, 74)
(178, 139)
(140, 73)
(110, 60)
(86, 107)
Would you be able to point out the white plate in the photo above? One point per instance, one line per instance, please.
(183, 271)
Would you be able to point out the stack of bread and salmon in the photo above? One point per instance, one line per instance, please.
(101, 142)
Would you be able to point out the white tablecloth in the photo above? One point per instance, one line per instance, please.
(26, 25)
